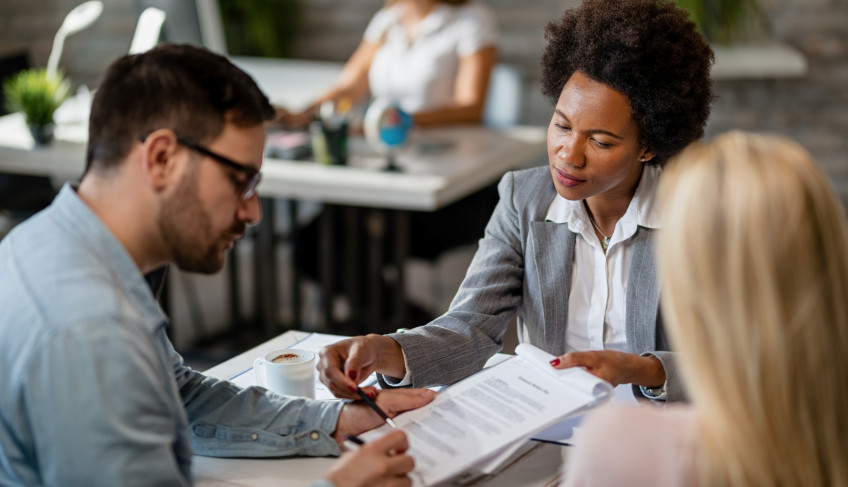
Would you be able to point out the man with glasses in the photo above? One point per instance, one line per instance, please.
(93, 391)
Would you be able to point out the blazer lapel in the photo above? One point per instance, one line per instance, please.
(553, 253)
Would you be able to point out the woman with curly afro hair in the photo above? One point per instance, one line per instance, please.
(569, 247)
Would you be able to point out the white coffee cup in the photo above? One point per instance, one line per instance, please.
(290, 372)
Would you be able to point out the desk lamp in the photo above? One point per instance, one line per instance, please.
(78, 19)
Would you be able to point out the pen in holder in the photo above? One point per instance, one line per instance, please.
(320, 150)
(336, 137)
(329, 132)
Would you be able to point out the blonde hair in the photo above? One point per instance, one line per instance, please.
(753, 258)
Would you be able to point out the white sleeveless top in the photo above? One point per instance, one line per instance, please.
(420, 75)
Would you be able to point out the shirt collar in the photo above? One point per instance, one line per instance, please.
(642, 210)
(96, 237)
(439, 17)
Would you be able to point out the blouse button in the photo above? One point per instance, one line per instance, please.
(314, 435)
(254, 437)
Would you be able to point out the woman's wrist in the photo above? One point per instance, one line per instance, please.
(649, 372)
(389, 356)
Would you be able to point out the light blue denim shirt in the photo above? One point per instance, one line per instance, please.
(92, 391)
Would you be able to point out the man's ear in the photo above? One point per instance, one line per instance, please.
(159, 158)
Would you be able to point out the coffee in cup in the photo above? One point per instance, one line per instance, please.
(289, 372)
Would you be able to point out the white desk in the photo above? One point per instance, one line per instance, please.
(476, 157)
(539, 468)
(473, 157)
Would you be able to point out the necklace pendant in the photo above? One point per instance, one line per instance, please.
(605, 243)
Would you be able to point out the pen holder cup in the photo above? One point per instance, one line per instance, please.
(336, 138)
(289, 372)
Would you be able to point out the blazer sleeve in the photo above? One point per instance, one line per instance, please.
(674, 390)
(458, 343)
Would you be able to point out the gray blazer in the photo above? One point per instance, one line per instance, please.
(523, 265)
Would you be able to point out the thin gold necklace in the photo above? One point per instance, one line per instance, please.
(606, 240)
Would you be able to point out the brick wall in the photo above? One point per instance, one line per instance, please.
(812, 109)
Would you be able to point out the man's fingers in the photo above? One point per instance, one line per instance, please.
(398, 482)
(392, 443)
(371, 391)
(342, 391)
(400, 464)
(396, 401)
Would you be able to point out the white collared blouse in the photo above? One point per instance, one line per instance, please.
(596, 305)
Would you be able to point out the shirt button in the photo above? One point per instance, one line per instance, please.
(254, 437)
(314, 435)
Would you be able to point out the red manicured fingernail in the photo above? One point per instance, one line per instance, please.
(555, 362)
(351, 388)
(371, 393)
(352, 374)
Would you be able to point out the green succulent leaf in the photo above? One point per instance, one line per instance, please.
(721, 20)
(36, 94)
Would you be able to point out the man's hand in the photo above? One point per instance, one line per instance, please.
(357, 417)
(616, 367)
(381, 462)
(343, 365)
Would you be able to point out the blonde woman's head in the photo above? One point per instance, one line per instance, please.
(754, 266)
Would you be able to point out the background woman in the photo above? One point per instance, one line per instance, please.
(754, 264)
(568, 248)
(432, 57)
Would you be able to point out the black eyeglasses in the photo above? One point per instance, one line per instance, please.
(245, 188)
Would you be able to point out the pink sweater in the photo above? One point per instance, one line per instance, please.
(634, 446)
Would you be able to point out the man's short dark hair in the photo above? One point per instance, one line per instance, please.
(190, 90)
(648, 50)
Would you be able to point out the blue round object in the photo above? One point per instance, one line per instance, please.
(387, 127)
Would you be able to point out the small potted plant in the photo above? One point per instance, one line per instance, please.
(36, 94)
(724, 21)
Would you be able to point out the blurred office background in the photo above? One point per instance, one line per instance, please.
(763, 90)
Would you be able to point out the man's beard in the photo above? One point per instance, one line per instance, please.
(186, 229)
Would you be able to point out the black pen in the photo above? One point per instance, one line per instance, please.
(353, 442)
(376, 408)
(359, 441)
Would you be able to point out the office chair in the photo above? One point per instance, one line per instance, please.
(504, 101)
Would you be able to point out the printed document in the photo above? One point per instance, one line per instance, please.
(481, 417)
